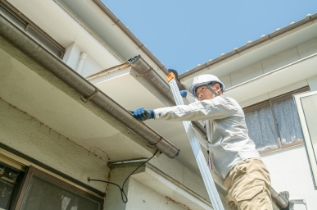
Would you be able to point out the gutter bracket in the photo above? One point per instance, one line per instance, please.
(86, 99)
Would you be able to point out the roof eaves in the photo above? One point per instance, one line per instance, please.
(13, 34)
(251, 45)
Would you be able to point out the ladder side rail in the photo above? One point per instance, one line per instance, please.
(200, 159)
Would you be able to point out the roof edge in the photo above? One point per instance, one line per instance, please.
(250, 45)
(140, 45)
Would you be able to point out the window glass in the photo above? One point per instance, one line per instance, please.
(43, 194)
(260, 123)
(288, 122)
(12, 17)
(6, 191)
(24, 23)
(8, 181)
(275, 123)
(44, 41)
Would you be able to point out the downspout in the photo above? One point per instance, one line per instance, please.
(82, 58)
(28, 45)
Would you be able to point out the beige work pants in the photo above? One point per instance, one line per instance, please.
(248, 185)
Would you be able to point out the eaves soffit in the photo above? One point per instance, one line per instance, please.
(252, 52)
(100, 21)
(71, 94)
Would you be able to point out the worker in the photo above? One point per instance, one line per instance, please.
(233, 154)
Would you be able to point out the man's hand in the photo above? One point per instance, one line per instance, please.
(183, 93)
(142, 114)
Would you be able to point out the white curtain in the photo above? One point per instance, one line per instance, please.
(261, 128)
(288, 121)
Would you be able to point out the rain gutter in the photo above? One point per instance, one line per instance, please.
(150, 76)
(237, 51)
(108, 70)
(36, 51)
(148, 73)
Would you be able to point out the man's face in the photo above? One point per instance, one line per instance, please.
(204, 93)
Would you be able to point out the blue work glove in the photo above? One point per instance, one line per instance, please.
(183, 93)
(142, 114)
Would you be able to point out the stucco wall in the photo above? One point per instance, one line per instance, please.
(143, 198)
(180, 173)
(290, 171)
(32, 138)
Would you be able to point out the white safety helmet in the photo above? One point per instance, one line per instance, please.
(204, 79)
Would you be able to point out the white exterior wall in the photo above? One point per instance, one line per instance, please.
(71, 56)
(312, 82)
(185, 176)
(89, 64)
(162, 181)
(32, 138)
(290, 171)
(143, 198)
(181, 174)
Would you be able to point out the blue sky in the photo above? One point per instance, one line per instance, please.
(185, 33)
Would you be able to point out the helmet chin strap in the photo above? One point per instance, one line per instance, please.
(212, 90)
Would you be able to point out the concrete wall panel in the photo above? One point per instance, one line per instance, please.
(290, 171)
(280, 59)
(312, 82)
(31, 137)
(71, 56)
(307, 48)
(226, 80)
(182, 174)
(91, 66)
(246, 74)
(143, 198)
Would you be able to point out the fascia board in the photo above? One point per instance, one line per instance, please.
(279, 78)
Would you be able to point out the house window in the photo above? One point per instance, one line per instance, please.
(37, 190)
(274, 124)
(10, 180)
(43, 191)
(30, 28)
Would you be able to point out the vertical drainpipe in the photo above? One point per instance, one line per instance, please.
(82, 58)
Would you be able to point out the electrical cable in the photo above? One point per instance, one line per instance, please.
(124, 197)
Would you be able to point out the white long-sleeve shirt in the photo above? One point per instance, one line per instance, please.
(226, 129)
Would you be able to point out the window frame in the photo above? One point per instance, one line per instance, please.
(306, 126)
(25, 164)
(24, 23)
(269, 103)
(17, 183)
(60, 183)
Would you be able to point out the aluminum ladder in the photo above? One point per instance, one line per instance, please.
(200, 159)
